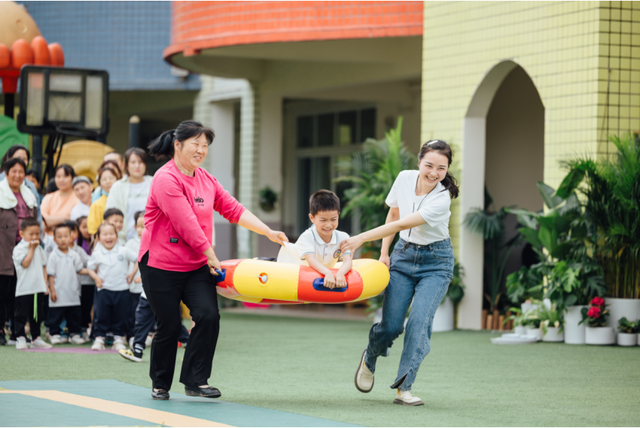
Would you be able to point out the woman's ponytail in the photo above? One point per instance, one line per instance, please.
(162, 147)
(451, 185)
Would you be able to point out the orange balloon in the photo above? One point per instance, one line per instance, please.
(56, 54)
(40, 51)
(21, 53)
(5, 56)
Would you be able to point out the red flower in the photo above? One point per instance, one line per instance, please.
(597, 301)
(594, 312)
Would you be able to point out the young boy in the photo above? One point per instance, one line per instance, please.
(144, 319)
(115, 217)
(30, 263)
(319, 245)
(87, 284)
(64, 289)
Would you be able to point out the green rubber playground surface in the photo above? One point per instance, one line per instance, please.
(277, 371)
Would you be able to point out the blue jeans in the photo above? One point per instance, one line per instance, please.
(422, 273)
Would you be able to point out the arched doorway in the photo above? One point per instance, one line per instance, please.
(504, 151)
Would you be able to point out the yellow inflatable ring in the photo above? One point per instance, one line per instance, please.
(260, 281)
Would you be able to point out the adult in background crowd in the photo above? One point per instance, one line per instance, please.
(56, 206)
(107, 176)
(114, 158)
(177, 260)
(21, 152)
(130, 193)
(17, 202)
(82, 187)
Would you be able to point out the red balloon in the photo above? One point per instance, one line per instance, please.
(5, 56)
(40, 51)
(56, 54)
(21, 53)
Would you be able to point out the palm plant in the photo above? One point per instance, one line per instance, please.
(612, 190)
(371, 174)
(490, 224)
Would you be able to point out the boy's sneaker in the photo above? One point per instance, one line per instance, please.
(85, 336)
(98, 344)
(12, 341)
(407, 399)
(364, 377)
(130, 355)
(21, 343)
(64, 338)
(76, 339)
(39, 343)
(119, 343)
(149, 340)
(109, 339)
(56, 339)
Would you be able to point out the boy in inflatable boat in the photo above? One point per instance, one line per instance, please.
(319, 246)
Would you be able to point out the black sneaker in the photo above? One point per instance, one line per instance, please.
(3, 339)
(108, 339)
(160, 394)
(208, 392)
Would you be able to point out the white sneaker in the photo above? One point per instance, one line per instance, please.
(407, 399)
(39, 343)
(64, 339)
(56, 339)
(76, 339)
(119, 343)
(98, 344)
(85, 336)
(12, 341)
(149, 340)
(21, 343)
(364, 377)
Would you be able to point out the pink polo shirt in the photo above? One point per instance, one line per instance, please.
(178, 220)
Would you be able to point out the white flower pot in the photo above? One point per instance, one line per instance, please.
(520, 329)
(573, 330)
(553, 335)
(534, 332)
(528, 306)
(627, 339)
(618, 308)
(599, 336)
(443, 319)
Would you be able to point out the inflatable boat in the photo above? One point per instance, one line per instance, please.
(260, 281)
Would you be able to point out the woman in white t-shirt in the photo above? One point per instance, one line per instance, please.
(130, 194)
(420, 267)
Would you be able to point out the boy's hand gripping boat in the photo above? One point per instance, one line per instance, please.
(260, 281)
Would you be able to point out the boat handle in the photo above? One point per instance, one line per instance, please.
(318, 284)
(221, 275)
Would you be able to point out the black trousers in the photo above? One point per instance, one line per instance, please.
(145, 322)
(72, 314)
(7, 302)
(164, 290)
(86, 304)
(134, 299)
(110, 313)
(24, 313)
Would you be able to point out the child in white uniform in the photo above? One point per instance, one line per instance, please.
(30, 263)
(319, 246)
(87, 284)
(134, 279)
(109, 263)
(64, 289)
(115, 217)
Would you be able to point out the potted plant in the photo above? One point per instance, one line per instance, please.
(596, 332)
(628, 332)
(526, 285)
(532, 321)
(551, 323)
(519, 321)
(268, 199)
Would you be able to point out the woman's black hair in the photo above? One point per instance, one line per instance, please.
(11, 162)
(162, 147)
(68, 170)
(78, 223)
(12, 151)
(134, 151)
(443, 148)
(113, 165)
(137, 215)
(34, 174)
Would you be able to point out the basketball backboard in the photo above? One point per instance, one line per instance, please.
(56, 100)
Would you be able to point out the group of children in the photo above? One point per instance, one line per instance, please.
(65, 278)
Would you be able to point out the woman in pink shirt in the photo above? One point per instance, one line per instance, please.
(177, 260)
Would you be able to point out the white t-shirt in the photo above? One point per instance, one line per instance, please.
(311, 243)
(434, 208)
(112, 266)
(137, 201)
(134, 246)
(63, 268)
(83, 279)
(79, 210)
(31, 279)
